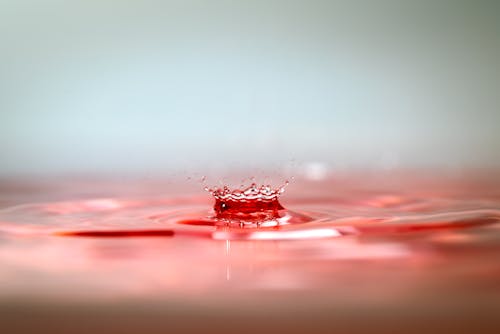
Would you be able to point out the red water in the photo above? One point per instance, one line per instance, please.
(365, 238)
(252, 206)
(253, 214)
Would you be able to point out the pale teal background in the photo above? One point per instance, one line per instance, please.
(148, 86)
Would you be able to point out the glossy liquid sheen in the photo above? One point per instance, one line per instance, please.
(333, 237)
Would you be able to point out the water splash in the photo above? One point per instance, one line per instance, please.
(253, 204)
(255, 212)
(395, 240)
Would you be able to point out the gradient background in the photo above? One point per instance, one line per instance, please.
(144, 87)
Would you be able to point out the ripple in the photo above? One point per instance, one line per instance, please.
(157, 217)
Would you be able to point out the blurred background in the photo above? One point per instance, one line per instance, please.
(141, 87)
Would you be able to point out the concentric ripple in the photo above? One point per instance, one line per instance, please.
(307, 218)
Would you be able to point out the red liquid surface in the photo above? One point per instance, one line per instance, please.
(400, 242)
(234, 208)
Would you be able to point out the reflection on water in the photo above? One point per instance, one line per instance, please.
(342, 238)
